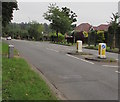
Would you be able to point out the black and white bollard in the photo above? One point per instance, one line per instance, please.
(11, 51)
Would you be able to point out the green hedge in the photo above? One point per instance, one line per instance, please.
(61, 37)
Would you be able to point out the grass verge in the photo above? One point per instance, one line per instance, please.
(20, 82)
(115, 50)
(63, 43)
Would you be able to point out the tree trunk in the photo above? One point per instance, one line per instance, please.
(57, 35)
(119, 50)
(95, 41)
(88, 40)
(113, 41)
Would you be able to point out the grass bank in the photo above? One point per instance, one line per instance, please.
(20, 82)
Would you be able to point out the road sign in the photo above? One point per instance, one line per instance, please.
(103, 46)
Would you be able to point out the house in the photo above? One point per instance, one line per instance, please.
(87, 27)
(83, 27)
(102, 27)
(77, 34)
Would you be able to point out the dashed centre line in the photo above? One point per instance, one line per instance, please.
(79, 59)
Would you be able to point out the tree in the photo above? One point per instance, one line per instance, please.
(92, 37)
(46, 28)
(7, 12)
(100, 37)
(60, 20)
(114, 25)
(110, 37)
(72, 16)
(35, 30)
(85, 37)
(118, 36)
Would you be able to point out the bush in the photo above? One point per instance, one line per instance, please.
(53, 37)
(100, 37)
(92, 37)
(60, 37)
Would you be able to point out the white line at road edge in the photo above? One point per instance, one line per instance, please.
(110, 66)
(79, 59)
(52, 49)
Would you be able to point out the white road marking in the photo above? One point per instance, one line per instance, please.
(87, 61)
(73, 56)
(117, 71)
(79, 59)
(52, 49)
(69, 49)
(110, 66)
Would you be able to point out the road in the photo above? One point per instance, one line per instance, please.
(75, 77)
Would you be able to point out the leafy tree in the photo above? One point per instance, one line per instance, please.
(35, 30)
(118, 36)
(53, 37)
(61, 20)
(85, 37)
(100, 37)
(7, 12)
(114, 26)
(72, 16)
(47, 28)
(92, 37)
(110, 37)
(16, 30)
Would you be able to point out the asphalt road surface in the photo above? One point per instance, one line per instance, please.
(75, 77)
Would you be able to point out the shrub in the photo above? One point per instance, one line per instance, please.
(100, 37)
(53, 37)
(85, 34)
(60, 37)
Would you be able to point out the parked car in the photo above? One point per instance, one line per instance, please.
(9, 38)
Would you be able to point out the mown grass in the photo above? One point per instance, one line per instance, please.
(20, 82)
(63, 43)
(4, 48)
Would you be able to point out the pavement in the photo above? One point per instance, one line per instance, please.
(75, 77)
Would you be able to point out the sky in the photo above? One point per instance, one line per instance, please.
(94, 13)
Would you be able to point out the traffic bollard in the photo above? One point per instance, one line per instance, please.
(79, 46)
(11, 51)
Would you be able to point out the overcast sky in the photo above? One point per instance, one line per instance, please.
(95, 13)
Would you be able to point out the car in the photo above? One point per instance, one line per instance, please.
(9, 38)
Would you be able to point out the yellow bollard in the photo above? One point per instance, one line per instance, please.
(79, 46)
(102, 50)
